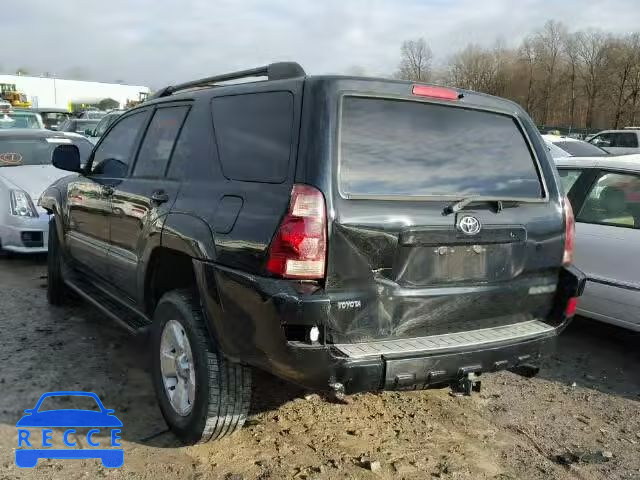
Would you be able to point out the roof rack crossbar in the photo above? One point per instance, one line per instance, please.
(273, 71)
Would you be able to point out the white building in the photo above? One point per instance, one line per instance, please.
(57, 92)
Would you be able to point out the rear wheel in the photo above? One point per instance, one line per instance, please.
(56, 289)
(202, 395)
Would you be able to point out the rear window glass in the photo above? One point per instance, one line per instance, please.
(253, 132)
(404, 148)
(582, 149)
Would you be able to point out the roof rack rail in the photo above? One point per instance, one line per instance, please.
(273, 71)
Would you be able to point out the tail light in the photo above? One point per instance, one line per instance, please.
(299, 247)
(572, 305)
(570, 233)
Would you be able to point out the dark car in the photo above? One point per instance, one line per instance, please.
(347, 234)
(51, 117)
(78, 125)
(103, 125)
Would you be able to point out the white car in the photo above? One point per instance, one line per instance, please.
(561, 146)
(605, 195)
(618, 142)
(25, 171)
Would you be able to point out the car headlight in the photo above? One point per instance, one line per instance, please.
(21, 204)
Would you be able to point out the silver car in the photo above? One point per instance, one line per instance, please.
(25, 171)
(605, 195)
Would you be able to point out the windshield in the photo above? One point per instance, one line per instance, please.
(37, 151)
(19, 120)
(581, 149)
(94, 115)
(405, 148)
(82, 125)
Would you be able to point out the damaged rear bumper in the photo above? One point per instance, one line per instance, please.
(247, 318)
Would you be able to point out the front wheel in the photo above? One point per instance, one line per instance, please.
(202, 395)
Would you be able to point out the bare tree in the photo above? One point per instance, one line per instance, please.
(571, 52)
(529, 58)
(634, 83)
(548, 43)
(622, 63)
(564, 79)
(415, 60)
(593, 52)
(475, 68)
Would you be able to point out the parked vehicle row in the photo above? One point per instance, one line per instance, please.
(25, 172)
(377, 235)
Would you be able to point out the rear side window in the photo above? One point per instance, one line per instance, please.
(625, 140)
(568, 178)
(582, 149)
(159, 141)
(404, 148)
(613, 200)
(254, 133)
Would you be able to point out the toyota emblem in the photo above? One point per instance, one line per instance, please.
(469, 225)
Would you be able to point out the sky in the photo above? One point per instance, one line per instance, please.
(159, 42)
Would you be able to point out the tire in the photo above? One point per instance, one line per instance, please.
(56, 289)
(222, 389)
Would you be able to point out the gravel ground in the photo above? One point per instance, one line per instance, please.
(584, 406)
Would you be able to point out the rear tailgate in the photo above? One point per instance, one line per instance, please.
(398, 266)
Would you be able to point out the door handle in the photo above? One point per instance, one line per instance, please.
(107, 190)
(159, 196)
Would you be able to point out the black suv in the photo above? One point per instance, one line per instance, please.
(346, 234)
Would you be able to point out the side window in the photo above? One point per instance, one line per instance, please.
(102, 126)
(195, 156)
(254, 133)
(113, 156)
(159, 141)
(614, 199)
(603, 140)
(625, 140)
(568, 178)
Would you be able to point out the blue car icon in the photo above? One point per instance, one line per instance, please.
(67, 418)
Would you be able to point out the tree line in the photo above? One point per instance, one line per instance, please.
(582, 79)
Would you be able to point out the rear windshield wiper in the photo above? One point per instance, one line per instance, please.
(460, 204)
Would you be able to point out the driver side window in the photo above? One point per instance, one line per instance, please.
(114, 154)
(603, 140)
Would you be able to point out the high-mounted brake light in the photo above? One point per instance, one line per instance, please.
(298, 250)
(569, 234)
(435, 92)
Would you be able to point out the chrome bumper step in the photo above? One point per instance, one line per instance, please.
(449, 341)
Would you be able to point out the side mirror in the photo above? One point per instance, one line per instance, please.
(89, 131)
(66, 157)
(29, 410)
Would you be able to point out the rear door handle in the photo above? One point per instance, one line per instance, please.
(159, 196)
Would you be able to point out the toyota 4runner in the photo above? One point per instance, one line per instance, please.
(346, 234)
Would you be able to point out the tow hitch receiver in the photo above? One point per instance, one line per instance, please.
(468, 383)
